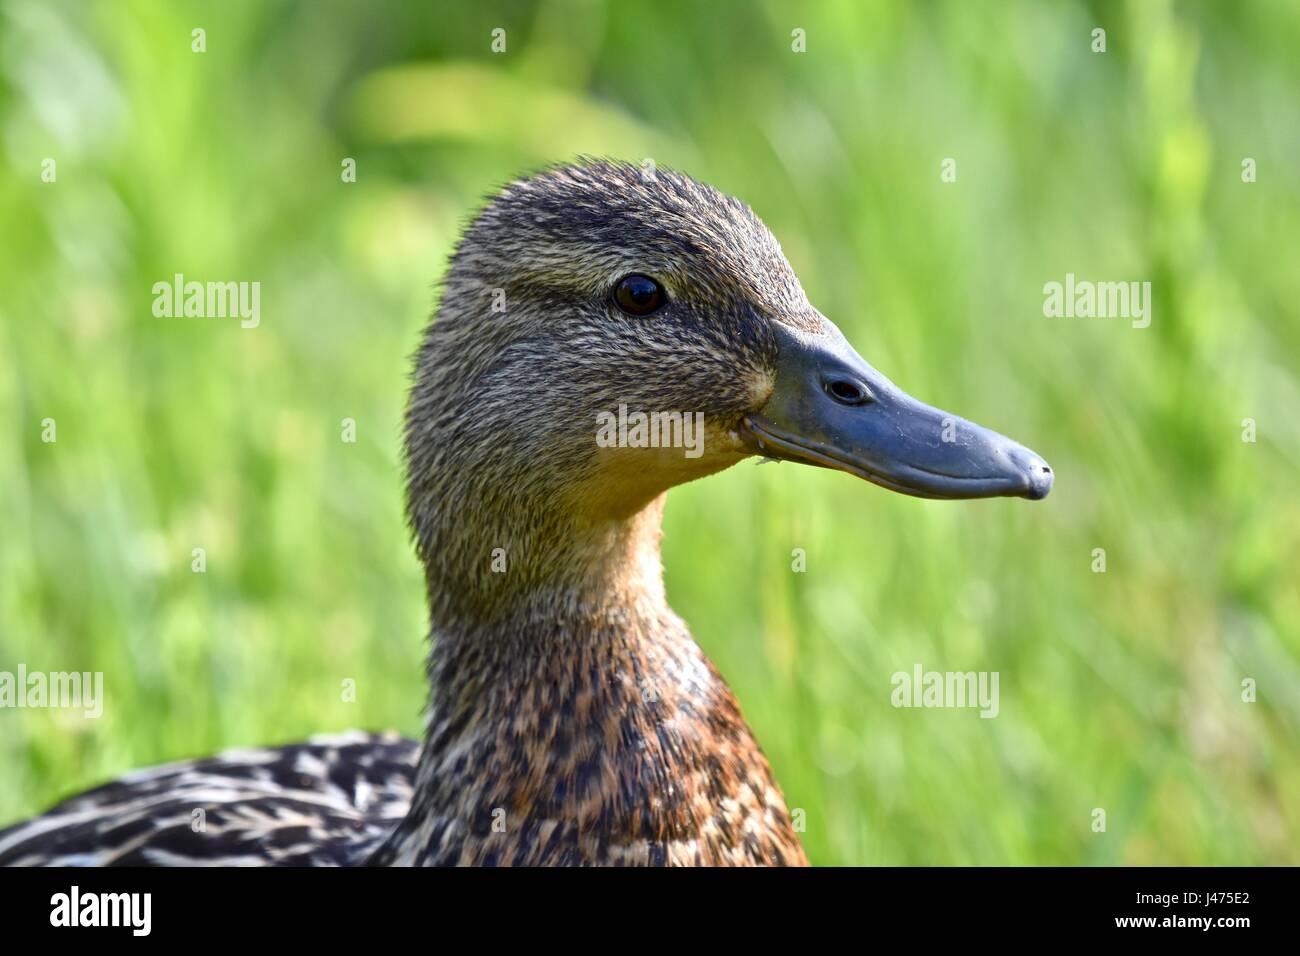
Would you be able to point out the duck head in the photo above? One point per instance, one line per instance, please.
(607, 332)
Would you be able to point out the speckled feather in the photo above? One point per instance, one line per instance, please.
(326, 802)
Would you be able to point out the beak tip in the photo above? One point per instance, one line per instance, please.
(1040, 477)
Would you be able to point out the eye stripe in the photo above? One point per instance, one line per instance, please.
(639, 295)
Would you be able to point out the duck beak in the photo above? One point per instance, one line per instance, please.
(831, 408)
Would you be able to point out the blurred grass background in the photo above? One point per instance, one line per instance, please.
(1119, 690)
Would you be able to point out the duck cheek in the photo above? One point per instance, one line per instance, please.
(629, 472)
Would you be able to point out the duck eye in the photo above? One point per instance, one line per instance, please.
(638, 295)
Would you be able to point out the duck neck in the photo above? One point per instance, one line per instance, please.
(571, 724)
(541, 566)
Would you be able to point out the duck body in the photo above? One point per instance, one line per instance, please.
(632, 751)
(624, 747)
(572, 719)
(327, 802)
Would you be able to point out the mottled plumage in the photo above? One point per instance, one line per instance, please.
(323, 803)
(572, 719)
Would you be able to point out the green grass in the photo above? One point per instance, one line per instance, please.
(1119, 690)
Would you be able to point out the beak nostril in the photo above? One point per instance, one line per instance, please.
(846, 392)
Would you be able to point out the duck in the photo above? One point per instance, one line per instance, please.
(572, 719)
